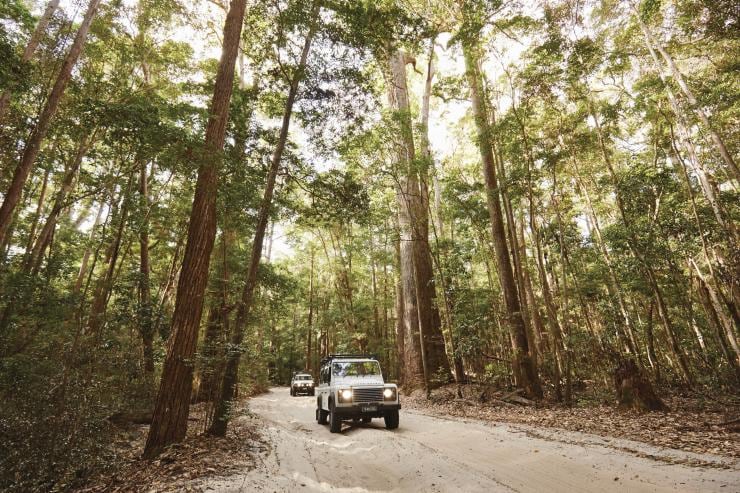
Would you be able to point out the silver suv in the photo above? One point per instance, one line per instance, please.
(302, 383)
(352, 387)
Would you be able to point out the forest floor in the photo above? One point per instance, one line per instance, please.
(444, 444)
(198, 456)
(431, 453)
(693, 424)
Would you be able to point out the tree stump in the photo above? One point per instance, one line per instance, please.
(634, 390)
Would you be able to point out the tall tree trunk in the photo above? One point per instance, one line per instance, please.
(170, 419)
(37, 215)
(438, 360)
(309, 329)
(400, 323)
(82, 273)
(522, 364)
(416, 371)
(33, 262)
(33, 43)
(146, 327)
(104, 284)
(231, 372)
(13, 195)
(639, 256)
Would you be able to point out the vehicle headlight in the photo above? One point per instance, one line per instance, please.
(346, 394)
(389, 394)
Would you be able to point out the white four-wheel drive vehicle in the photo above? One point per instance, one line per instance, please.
(302, 383)
(352, 387)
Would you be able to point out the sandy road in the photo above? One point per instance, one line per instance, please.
(439, 455)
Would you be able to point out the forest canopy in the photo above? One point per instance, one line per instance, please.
(200, 198)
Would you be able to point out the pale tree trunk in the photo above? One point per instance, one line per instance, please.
(554, 327)
(33, 43)
(707, 186)
(170, 419)
(725, 321)
(165, 290)
(20, 175)
(522, 364)
(104, 284)
(693, 103)
(82, 273)
(437, 224)
(231, 372)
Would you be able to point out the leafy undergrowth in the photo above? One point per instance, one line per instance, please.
(197, 457)
(692, 424)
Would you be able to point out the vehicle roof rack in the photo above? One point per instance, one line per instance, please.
(328, 358)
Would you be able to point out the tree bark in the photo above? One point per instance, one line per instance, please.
(33, 43)
(407, 195)
(522, 364)
(169, 423)
(20, 175)
(231, 372)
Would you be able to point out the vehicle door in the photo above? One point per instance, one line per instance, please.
(324, 386)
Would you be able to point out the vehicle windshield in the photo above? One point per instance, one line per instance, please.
(303, 377)
(356, 369)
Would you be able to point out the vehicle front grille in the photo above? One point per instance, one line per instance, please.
(372, 394)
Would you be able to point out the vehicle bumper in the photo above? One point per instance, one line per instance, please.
(302, 390)
(356, 410)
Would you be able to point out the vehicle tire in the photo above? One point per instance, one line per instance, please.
(313, 393)
(321, 415)
(391, 420)
(366, 419)
(292, 392)
(335, 422)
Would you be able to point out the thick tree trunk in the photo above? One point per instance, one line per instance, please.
(231, 372)
(634, 390)
(33, 43)
(169, 423)
(522, 364)
(13, 195)
(407, 193)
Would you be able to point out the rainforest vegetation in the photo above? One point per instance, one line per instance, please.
(199, 198)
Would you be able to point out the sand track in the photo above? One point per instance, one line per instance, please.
(432, 454)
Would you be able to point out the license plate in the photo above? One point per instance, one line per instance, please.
(369, 409)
